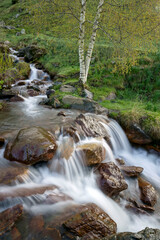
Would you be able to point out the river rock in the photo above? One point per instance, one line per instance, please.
(49, 92)
(111, 180)
(8, 43)
(146, 234)
(83, 104)
(131, 171)
(91, 126)
(8, 174)
(120, 161)
(139, 208)
(20, 83)
(111, 96)
(61, 113)
(2, 141)
(136, 135)
(16, 99)
(148, 192)
(31, 145)
(9, 217)
(56, 197)
(88, 94)
(31, 53)
(54, 102)
(93, 153)
(15, 234)
(25, 191)
(32, 93)
(36, 224)
(23, 31)
(89, 220)
(88, 125)
(67, 88)
(7, 94)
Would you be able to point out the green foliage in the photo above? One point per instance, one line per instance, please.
(5, 63)
(23, 69)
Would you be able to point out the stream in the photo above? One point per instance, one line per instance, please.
(73, 178)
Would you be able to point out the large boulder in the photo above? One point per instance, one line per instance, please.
(31, 53)
(136, 135)
(148, 192)
(111, 180)
(92, 126)
(83, 104)
(146, 234)
(93, 153)
(88, 125)
(9, 217)
(91, 222)
(31, 145)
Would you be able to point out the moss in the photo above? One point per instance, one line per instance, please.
(114, 115)
(66, 106)
(23, 69)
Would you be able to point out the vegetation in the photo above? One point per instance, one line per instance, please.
(5, 64)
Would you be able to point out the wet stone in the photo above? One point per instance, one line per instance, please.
(9, 217)
(15, 234)
(25, 191)
(31, 145)
(91, 220)
(94, 153)
(16, 99)
(111, 180)
(131, 171)
(37, 224)
(148, 192)
(61, 114)
(57, 197)
(8, 174)
(120, 161)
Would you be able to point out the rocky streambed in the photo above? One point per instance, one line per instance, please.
(71, 175)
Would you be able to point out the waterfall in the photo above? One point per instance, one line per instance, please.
(71, 176)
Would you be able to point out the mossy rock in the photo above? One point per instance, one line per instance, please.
(24, 69)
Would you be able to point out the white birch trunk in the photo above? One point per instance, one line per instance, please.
(81, 41)
(93, 38)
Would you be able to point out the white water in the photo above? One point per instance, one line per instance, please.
(79, 182)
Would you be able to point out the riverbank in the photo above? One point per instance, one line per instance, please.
(64, 164)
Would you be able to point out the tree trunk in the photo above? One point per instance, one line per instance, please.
(81, 41)
(93, 37)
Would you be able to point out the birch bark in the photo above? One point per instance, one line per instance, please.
(81, 41)
(93, 37)
(85, 61)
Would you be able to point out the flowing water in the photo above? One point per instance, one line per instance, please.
(71, 176)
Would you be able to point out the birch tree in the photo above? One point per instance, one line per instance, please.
(125, 23)
(85, 61)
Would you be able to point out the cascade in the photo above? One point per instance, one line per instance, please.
(74, 178)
